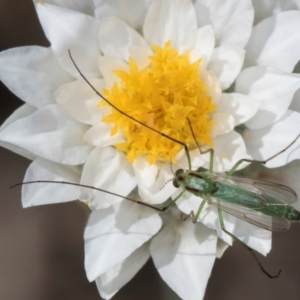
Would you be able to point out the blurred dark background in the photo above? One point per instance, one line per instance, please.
(41, 248)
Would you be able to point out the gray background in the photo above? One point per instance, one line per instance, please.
(41, 248)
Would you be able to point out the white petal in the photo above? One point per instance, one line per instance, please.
(275, 42)
(173, 20)
(86, 6)
(255, 237)
(146, 173)
(241, 107)
(232, 20)
(75, 32)
(51, 134)
(109, 64)
(132, 12)
(99, 135)
(266, 142)
(140, 56)
(213, 86)
(47, 193)
(295, 105)
(256, 82)
(32, 73)
(184, 254)
(115, 38)
(222, 123)
(203, 45)
(113, 234)
(80, 101)
(221, 248)
(108, 169)
(110, 282)
(226, 62)
(22, 112)
(159, 176)
(229, 148)
(266, 8)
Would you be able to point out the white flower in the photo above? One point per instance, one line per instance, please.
(161, 55)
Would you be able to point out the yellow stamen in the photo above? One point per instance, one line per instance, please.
(163, 96)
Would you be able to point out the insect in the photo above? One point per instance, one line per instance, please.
(261, 203)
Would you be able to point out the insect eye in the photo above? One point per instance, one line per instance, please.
(175, 183)
(179, 171)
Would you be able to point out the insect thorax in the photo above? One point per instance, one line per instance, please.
(195, 182)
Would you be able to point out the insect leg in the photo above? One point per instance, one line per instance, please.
(193, 216)
(210, 150)
(232, 170)
(221, 220)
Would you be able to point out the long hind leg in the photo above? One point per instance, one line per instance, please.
(231, 171)
(221, 220)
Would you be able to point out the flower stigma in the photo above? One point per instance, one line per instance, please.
(162, 95)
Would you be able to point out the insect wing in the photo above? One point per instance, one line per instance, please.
(281, 194)
(250, 215)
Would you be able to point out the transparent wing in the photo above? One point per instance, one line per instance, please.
(250, 215)
(280, 193)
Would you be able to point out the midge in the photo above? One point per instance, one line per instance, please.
(261, 203)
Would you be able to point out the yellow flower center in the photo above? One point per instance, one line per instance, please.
(162, 95)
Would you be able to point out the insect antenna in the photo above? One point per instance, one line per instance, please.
(91, 187)
(130, 117)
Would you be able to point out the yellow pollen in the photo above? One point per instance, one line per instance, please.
(162, 95)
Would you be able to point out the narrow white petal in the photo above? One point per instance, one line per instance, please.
(232, 20)
(184, 254)
(173, 20)
(267, 8)
(80, 101)
(222, 123)
(132, 12)
(226, 62)
(115, 37)
(295, 105)
(47, 193)
(213, 86)
(256, 82)
(108, 169)
(110, 282)
(203, 45)
(266, 142)
(22, 112)
(113, 234)
(156, 188)
(221, 248)
(51, 134)
(32, 73)
(146, 173)
(109, 64)
(75, 32)
(140, 55)
(275, 42)
(241, 107)
(86, 6)
(99, 135)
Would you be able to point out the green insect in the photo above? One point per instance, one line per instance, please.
(261, 203)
